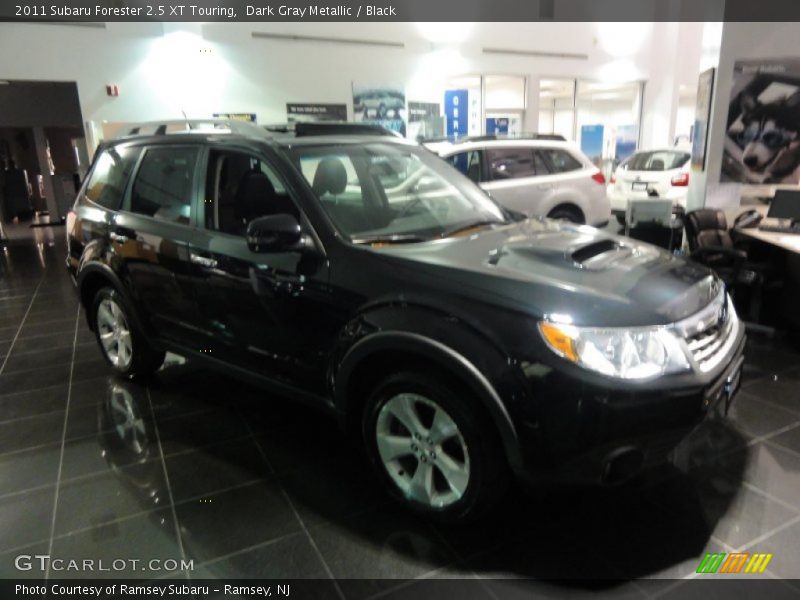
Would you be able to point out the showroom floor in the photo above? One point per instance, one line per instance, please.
(198, 466)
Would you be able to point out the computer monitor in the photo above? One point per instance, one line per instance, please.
(785, 205)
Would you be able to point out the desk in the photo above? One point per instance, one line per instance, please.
(781, 250)
(786, 241)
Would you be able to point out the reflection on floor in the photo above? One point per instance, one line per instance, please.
(197, 466)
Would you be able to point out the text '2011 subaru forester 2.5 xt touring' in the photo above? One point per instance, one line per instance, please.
(364, 275)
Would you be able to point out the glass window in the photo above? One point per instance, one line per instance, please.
(540, 164)
(560, 161)
(163, 185)
(662, 160)
(239, 188)
(510, 163)
(110, 176)
(557, 107)
(382, 192)
(469, 163)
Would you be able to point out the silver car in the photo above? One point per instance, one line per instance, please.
(536, 177)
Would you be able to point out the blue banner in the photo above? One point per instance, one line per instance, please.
(456, 112)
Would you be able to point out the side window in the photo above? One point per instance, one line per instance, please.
(510, 163)
(540, 164)
(561, 160)
(163, 185)
(469, 163)
(239, 188)
(110, 176)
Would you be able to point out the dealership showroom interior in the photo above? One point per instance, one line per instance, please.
(386, 306)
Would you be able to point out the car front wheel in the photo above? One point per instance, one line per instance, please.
(122, 344)
(432, 448)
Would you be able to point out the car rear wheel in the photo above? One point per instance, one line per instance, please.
(432, 449)
(567, 213)
(122, 344)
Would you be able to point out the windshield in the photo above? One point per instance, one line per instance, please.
(393, 193)
(662, 160)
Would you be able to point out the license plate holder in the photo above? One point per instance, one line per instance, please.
(725, 391)
(639, 186)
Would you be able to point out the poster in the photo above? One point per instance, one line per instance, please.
(497, 125)
(246, 117)
(380, 104)
(702, 116)
(626, 142)
(456, 112)
(425, 121)
(762, 141)
(592, 143)
(315, 113)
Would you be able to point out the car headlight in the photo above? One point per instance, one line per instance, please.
(624, 353)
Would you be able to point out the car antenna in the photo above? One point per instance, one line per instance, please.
(185, 118)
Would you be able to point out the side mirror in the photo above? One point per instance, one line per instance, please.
(276, 233)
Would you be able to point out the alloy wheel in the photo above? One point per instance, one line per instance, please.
(422, 450)
(114, 334)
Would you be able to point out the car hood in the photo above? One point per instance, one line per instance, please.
(548, 268)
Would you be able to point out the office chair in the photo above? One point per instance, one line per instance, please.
(710, 243)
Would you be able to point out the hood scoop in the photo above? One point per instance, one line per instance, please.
(601, 254)
(567, 249)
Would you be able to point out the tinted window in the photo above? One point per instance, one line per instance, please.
(510, 163)
(469, 163)
(540, 164)
(163, 185)
(239, 188)
(560, 161)
(110, 176)
(662, 160)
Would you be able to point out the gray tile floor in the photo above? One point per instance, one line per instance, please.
(197, 466)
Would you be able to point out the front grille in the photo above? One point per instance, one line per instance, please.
(705, 346)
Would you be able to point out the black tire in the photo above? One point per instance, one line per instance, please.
(621, 219)
(488, 470)
(144, 359)
(567, 213)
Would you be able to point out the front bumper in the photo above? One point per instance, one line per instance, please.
(588, 435)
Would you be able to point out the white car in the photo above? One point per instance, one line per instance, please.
(536, 177)
(650, 174)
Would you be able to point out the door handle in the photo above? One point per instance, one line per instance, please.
(118, 237)
(203, 261)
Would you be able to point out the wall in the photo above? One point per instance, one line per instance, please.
(166, 69)
(738, 41)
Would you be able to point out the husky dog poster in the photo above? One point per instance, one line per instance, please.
(380, 104)
(762, 144)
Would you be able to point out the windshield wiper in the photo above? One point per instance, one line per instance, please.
(473, 225)
(396, 238)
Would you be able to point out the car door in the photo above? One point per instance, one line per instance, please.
(152, 237)
(518, 178)
(262, 311)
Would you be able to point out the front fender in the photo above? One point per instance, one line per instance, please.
(444, 342)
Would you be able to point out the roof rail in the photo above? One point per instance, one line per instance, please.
(554, 137)
(201, 126)
(322, 128)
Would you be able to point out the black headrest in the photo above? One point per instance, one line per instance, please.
(255, 195)
(708, 218)
(330, 178)
(657, 165)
